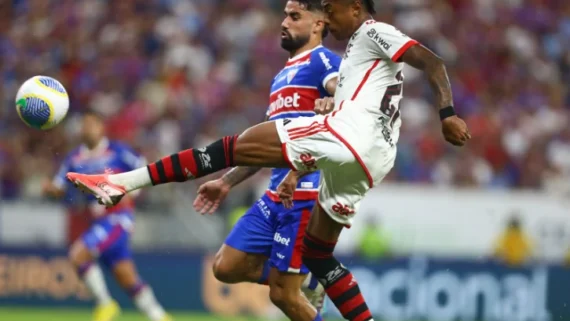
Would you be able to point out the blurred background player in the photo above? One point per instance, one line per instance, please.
(107, 240)
(264, 246)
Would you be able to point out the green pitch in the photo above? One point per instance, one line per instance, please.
(64, 314)
(34, 314)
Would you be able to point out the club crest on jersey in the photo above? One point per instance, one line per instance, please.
(291, 74)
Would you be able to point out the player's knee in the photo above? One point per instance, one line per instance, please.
(223, 271)
(284, 297)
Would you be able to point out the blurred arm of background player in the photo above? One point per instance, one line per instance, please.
(454, 128)
(56, 187)
(52, 190)
(212, 193)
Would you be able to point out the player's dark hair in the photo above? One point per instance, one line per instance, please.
(314, 5)
(369, 5)
(311, 5)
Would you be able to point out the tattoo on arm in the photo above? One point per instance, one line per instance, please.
(422, 58)
(239, 174)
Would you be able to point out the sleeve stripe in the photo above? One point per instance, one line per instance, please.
(403, 49)
(329, 77)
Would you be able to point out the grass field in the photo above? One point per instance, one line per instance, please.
(35, 314)
(23, 314)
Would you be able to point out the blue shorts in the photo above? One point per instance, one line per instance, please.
(108, 238)
(270, 229)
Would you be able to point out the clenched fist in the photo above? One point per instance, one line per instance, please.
(324, 106)
(455, 130)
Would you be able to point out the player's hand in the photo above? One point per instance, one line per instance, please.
(286, 189)
(324, 105)
(455, 130)
(210, 195)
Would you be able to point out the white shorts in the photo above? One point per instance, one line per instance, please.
(348, 146)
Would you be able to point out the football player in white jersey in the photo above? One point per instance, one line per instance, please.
(354, 146)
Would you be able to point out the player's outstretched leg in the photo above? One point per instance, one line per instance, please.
(141, 293)
(258, 146)
(341, 286)
(89, 271)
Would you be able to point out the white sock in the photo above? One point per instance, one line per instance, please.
(316, 295)
(132, 180)
(147, 304)
(95, 282)
(307, 282)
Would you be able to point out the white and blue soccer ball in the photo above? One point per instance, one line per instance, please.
(42, 102)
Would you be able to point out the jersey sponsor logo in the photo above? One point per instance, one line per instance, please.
(326, 60)
(285, 102)
(343, 210)
(340, 82)
(348, 47)
(374, 35)
(281, 240)
(293, 99)
(308, 161)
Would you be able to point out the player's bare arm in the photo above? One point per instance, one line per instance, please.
(330, 86)
(454, 129)
(51, 190)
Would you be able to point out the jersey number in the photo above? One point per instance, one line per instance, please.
(386, 106)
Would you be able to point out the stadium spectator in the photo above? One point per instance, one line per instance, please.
(374, 240)
(513, 246)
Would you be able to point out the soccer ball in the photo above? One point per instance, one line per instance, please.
(42, 102)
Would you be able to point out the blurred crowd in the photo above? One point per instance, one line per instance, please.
(169, 74)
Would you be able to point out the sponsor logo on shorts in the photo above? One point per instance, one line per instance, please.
(282, 240)
(342, 209)
(263, 208)
(280, 256)
(308, 161)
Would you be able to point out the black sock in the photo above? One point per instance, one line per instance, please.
(193, 163)
(339, 283)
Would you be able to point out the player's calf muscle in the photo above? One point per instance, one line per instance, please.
(260, 146)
